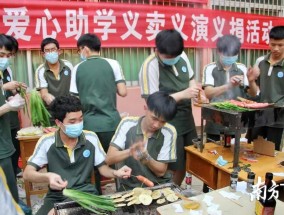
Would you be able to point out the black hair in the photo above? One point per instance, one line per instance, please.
(169, 42)
(62, 105)
(228, 45)
(163, 105)
(6, 42)
(48, 40)
(277, 33)
(92, 41)
(14, 43)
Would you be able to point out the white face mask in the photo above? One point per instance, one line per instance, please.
(4, 63)
(51, 57)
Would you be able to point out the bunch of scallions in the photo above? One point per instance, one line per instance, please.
(94, 203)
(39, 114)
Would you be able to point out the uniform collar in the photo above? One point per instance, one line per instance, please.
(220, 66)
(140, 132)
(59, 143)
(94, 56)
(279, 63)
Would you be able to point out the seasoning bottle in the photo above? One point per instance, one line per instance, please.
(188, 180)
(233, 181)
(266, 203)
(222, 138)
(227, 140)
(250, 182)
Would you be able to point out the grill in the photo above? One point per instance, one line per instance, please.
(72, 208)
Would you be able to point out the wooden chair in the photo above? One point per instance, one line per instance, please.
(27, 145)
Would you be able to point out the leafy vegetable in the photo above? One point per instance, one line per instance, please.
(226, 105)
(94, 203)
(23, 94)
(39, 114)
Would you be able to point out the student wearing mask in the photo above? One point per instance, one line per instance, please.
(52, 78)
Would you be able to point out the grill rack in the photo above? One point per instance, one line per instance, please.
(73, 208)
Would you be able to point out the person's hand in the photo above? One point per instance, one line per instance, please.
(56, 182)
(192, 92)
(14, 85)
(123, 172)
(236, 80)
(137, 149)
(15, 103)
(253, 73)
(49, 98)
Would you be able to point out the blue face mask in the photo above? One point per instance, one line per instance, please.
(171, 61)
(51, 57)
(228, 60)
(4, 63)
(73, 130)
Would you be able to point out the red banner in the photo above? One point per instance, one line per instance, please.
(128, 25)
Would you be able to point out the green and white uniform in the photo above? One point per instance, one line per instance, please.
(95, 81)
(155, 76)
(161, 147)
(56, 86)
(75, 166)
(215, 75)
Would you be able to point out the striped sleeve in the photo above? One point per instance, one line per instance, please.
(39, 156)
(68, 64)
(100, 154)
(208, 79)
(119, 138)
(243, 68)
(117, 70)
(168, 150)
(190, 71)
(40, 81)
(149, 76)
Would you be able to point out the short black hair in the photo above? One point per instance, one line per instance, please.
(6, 42)
(163, 105)
(14, 43)
(229, 45)
(92, 41)
(62, 105)
(277, 33)
(48, 40)
(169, 42)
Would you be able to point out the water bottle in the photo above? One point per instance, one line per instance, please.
(233, 181)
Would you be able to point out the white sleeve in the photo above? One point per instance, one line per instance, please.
(244, 70)
(149, 76)
(168, 150)
(117, 70)
(119, 138)
(100, 154)
(39, 156)
(190, 71)
(40, 80)
(73, 85)
(208, 79)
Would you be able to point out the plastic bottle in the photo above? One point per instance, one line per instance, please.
(250, 182)
(267, 205)
(227, 141)
(188, 180)
(233, 181)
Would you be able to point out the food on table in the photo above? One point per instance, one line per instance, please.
(191, 205)
(145, 181)
(137, 191)
(131, 202)
(161, 201)
(118, 200)
(172, 197)
(145, 199)
(156, 194)
(115, 196)
(120, 205)
(30, 131)
(127, 195)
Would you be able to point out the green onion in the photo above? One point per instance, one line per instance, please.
(94, 203)
(23, 94)
(39, 114)
(228, 106)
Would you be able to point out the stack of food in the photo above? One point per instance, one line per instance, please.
(144, 196)
(30, 131)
